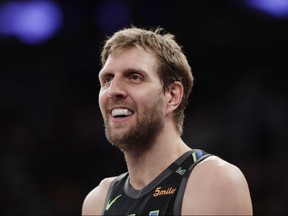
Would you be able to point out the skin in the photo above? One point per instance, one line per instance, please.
(129, 79)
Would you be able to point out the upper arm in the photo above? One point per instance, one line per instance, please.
(94, 202)
(217, 187)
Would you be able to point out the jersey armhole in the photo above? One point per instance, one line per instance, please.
(177, 208)
(110, 190)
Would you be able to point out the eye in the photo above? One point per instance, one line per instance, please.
(135, 77)
(106, 79)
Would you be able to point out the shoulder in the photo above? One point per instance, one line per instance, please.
(94, 202)
(216, 187)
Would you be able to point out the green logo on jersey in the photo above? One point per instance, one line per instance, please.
(110, 202)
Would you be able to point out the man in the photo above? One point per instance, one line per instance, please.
(145, 84)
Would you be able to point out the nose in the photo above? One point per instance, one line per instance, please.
(116, 89)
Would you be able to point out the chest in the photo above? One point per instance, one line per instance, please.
(158, 199)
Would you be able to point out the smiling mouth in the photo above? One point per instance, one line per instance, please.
(121, 112)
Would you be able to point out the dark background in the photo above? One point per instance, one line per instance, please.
(53, 147)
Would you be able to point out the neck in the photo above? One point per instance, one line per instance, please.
(143, 167)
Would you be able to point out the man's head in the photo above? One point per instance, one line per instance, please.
(172, 64)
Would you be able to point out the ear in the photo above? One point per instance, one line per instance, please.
(175, 95)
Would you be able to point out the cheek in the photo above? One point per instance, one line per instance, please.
(150, 100)
(102, 100)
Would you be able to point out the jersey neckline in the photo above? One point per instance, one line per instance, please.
(136, 194)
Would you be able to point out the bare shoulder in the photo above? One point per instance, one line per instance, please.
(217, 187)
(94, 202)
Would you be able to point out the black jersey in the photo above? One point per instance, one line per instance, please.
(163, 196)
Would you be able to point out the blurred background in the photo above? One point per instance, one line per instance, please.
(53, 147)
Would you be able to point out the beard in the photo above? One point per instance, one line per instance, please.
(141, 135)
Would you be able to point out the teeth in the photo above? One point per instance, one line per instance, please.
(121, 112)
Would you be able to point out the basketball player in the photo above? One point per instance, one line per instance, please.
(145, 84)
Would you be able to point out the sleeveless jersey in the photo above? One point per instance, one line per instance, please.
(163, 196)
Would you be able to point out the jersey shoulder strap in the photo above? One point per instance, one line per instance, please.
(185, 169)
(112, 185)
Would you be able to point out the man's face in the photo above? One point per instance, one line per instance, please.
(131, 99)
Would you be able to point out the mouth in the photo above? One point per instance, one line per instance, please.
(121, 113)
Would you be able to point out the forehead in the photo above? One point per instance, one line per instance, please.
(133, 57)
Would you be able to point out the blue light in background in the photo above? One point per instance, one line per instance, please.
(32, 22)
(277, 8)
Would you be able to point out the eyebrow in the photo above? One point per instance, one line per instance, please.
(126, 71)
(135, 70)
